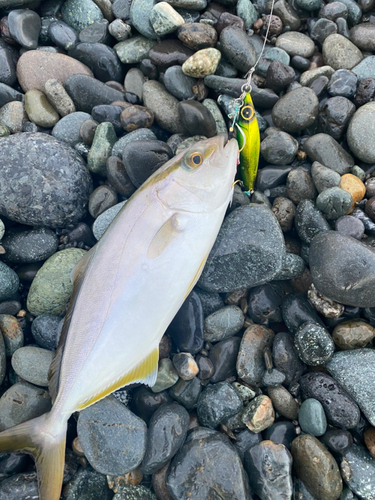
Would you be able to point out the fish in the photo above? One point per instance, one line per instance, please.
(126, 291)
(248, 138)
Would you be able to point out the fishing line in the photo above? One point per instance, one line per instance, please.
(246, 87)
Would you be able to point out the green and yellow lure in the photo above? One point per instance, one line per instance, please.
(248, 138)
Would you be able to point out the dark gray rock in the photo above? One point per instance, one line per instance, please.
(354, 371)
(67, 129)
(286, 359)
(342, 269)
(186, 328)
(324, 177)
(88, 484)
(20, 486)
(46, 330)
(340, 408)
(296, 310)
(314, 344)
(358, 471)
(32, 364)
(264, 303)
(186, 392)
(207, 463)
(223, 323)
(113, 439)
(293, 266)
(324, 149)
(269, 467)
(223, 356)
(88, 92)
(141, 134)
(134, 493)
(335, 115)
(237, 48)
(29, 246)
(334, 202)
(217, 403)
(323, 28)
(296, 110)
(9, 282)
(343, 82)
(279, 148)
(101, 59)
(282, 432)
(166, 433)
(8, 60)
(309, 221)
(179, 84)
(245, 440)
(350, 226)
(300, 186)
(248, 251)
(62, 34)
(51, 189)
(24, 26)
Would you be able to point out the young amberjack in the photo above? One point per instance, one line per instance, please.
(127, 289)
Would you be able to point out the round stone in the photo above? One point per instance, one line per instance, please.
(9, 282)
(259, 414)
(296, 44)
(203, 63)
(197, 36)
(363, 36)
(178, 84)
(354, 187)
(217, 403)
(279, 148)
(80, 13)
(237, 48)
(353, 334)
(133, 50)
(359, 134)
(164, 106)
(340, 53)
(32, 364)
(350, 226)
(314, 344)
(311, 417)
(39, 110)
(343, 83)
(196, 118)
(334, 202)
(24, 27)
(52, 287)
(165, 19)
(223, 324)
(46, 330)
(296, 110)
(29, 246)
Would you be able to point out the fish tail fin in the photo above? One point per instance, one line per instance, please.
(44, 438)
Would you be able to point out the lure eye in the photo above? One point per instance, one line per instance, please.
(247, 113)
(194, 160)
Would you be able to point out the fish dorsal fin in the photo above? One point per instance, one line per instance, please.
(144, 372)
(77, 279)
(168, 232)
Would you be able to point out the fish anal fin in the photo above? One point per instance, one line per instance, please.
(77, 279)
(145, 372)
(168, 232)
(197, 276)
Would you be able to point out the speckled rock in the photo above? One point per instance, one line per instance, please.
(113, 439)
(103, 220)
(202, 63)
(47, 160)
(68, 128)
(35, 67)
(359, 134)
(32, 364)
(80, 13)
(353, 370)
(46, 330)
(133, 50)
(9, 282)
(13, 116)
(334, 202)
(358, 470)
(90, 484)
(248, 251)
(259, 414)
(165, 19)
(29, 246)
(340, 53)
(207, 462)
(51, 288)
(316, 467)
(223, 324)
(325, 306)
(217, 403)
(104, 139)
(341, 268)
(296, 44)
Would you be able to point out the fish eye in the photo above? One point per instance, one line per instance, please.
(194, 160)
(247, 113)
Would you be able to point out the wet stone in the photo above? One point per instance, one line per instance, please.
(24, 27)
(272, 378)
(245, 440)
(250, 362)
(269, 467)
(104, 140)
(68, 128)
(237, 48)
(223, 324)
(353, 334)
(167, 376)
(339, 407)
(340, 53)
(217, 403)
(164, 19)
(322, 29)
(135, 117)
(51, 289)
(324, 149)
(343, 83)
(169, 52)
(325, 306)
(293, 266)
(12, 334)
(88, 483)
(262, 251)
(9, 282)
(287, 14)
(207, 462)
(334, 10)
(140, 11)
(296, 110)
(284, 209)
(46, 331)
(335, 115)
(283, 402)
(88, 92)
(311, 417)
(166, 433)
(185, 365)
(21, 486)
(196, 118)
(8, 74)
(178, 84)
(113, 439)
(258, 414)
(334, 202)
(279, 76)
(29, 246)
(285, 357)
(332, 266)
(80, 13)
(279, 148)
(282, 432)
(223, 356)
(62, 34)
(316, 467)
(197, 36)
(358, 470)
(352, 369)
(163, 105)
(101, 59)
(22, 402)
(119, 30)
(186, 392)
(337, 440)
(296, 310)
(101, 199)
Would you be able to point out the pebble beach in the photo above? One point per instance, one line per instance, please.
(266, 377)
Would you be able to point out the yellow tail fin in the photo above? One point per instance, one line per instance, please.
(43, 438)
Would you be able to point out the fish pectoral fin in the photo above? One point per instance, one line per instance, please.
(144, 372)
(168, 232)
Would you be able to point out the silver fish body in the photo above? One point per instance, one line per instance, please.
(127, 290)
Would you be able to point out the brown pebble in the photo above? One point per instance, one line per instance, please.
(370, 187)
(2, 250)
(370, 208)
(353, 185)
(185, 365)
(77, 448)
(316, 467)
(102, 198)
(122, 104)
(135, 117)
(35, 67)
(227, 19)
(159, 483)
(283, 402)
(116, 483)
(197, 35)
(258, 414)
(87, 131)
(116, 86)
(369, 437)
(21, 314)
(118, 177)
(353, 334)
(234, 298)
(258, 24)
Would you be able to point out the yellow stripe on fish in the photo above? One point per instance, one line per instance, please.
(248, 138)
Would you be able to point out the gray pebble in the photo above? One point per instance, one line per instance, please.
(223, 324)
(334, 202)
(32, 364)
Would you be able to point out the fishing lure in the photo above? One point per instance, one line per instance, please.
(248, 138)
